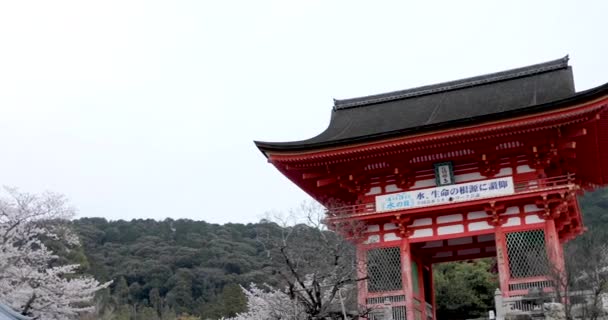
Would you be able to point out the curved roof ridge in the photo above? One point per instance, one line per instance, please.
(561, 63)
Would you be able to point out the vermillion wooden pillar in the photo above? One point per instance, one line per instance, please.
(433, 296)
(502, 261)
(426, 294)
(557, 269)
(421, 289)
(406, 276)
(361, 274)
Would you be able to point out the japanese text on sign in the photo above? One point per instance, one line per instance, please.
(445, 194)
(444, 174)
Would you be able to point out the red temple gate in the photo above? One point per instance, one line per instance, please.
(489, 166)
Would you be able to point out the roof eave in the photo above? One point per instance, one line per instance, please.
(302, 146)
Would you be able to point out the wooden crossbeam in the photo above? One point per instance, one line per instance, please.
(325, 182)
(308, 176)
(575, 133)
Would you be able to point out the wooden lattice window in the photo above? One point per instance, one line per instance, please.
(384, 269)
(527, 254)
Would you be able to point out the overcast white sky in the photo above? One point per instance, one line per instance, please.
(148, 109)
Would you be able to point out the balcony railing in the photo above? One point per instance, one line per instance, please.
(520, 187)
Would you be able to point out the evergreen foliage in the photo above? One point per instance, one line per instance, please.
(174, 267)
(465, 289)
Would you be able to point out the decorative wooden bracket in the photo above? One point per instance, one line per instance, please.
(404, 178)
(541, 160)
(554, 207)
(496, 214)
(355, 187)
(403, 224)
(567, 155)
(488, 166)
(352, 184)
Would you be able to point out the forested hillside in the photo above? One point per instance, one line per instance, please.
(181, 266)
(164, 268)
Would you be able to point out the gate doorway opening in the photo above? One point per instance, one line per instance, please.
(462, 277)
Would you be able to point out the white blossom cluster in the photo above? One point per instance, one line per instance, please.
(28, 282)
(268, 304)
(273, 304)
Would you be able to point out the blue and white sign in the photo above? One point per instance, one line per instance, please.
(445, 194)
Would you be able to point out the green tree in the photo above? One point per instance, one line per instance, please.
(180, 296)
(147, 313)
(123, 312)
(135, 293)
(121, 291)
(155, 300)
(464, 289)
(233, 300)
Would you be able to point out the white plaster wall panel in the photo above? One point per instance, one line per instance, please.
(477, 215)
(533, 219)
(513, 221)
(530, 208)
(433, 244)
(458, 228)
(468, 177)
(486, 238)
(422, 222)
(373, 228)
(512, 210)
(391, 236)
(468, 251)
(481, 225)
(444, 254)
(449, 218)
(459, 241)
(504, 172)
(392, 188)
(374, 190)
(373, 239)
(524, 169)
(424, 183)
(390, 226)
(419, 233)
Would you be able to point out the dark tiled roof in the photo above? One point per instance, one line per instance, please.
(453, 85)
(494, 96)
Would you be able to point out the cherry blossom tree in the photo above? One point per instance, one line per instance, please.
(314, 260)
(268, 304)
(30, 280)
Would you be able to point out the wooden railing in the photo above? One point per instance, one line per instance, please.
(520, 187)
(429, 311)
(534, 185)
